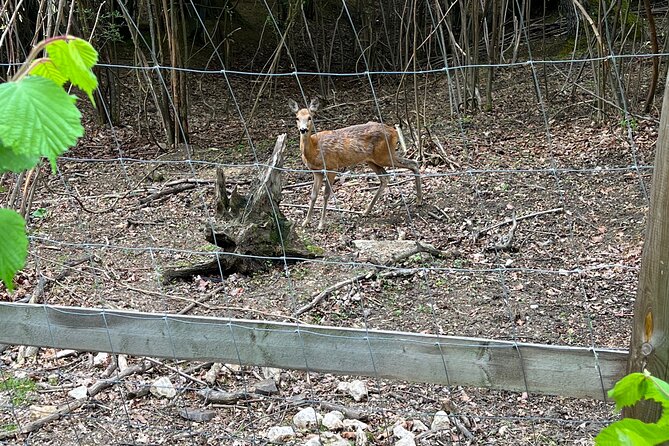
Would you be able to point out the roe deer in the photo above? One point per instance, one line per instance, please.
(328, 151)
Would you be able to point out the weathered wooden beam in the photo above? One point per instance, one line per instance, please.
(649, 348)
(447, 360)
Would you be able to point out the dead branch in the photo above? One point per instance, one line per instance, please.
(378, 271)
(169, 191)
(70, 407)
(522, 217)
(506, 241)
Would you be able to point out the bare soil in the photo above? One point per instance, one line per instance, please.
(570, 279)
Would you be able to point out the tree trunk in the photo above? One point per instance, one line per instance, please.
(249, 229)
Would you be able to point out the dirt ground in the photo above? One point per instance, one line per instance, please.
(570, 279)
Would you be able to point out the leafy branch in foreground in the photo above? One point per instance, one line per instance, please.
(629, 431)
(39, 119)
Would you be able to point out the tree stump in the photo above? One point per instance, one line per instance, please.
(249, 229)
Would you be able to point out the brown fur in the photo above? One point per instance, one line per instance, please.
(372, 143)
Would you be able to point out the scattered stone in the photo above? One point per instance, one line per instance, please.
(100, 359)
(221, 397)
(212, 374)
(60, 354)
(401, 432)
(358, 390)
(332, 439)
(360, 438)
(267, 387)
(198, 415)
(78, 393)
(306, 418)
(313, 441)
(271, 372)
(233, 368)
(136, 389)
(278, 434)
(163, 387)
(356, 424)
(440, 421)
(418, 426)
(405, 441)
(122, 362)
(333, 420)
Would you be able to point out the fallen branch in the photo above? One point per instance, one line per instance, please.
(378, 271)
(522, 217)
(70, 407)
(506, 241)
(169, 191)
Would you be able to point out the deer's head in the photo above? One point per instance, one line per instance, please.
(304, 116)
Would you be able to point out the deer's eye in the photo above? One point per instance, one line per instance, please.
(309, 118)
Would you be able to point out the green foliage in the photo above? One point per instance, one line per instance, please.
(39, 213)
(39, 119)
(13, 245)
(315, 250)
(627, 392)
(18, 389)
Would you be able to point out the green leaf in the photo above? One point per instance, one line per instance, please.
(12, 162)
(38, 118)
(74, 58)
(13, 245)
(632, 432)
(39, 213)
(629, 390)
(47, 69)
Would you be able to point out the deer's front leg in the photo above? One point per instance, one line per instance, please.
(318, 181)
(326, 196)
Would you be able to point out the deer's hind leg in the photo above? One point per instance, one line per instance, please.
(383, 178)
(413, 166)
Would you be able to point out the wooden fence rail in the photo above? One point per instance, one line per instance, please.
(448, 360)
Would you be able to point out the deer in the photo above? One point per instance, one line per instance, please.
(328, 151)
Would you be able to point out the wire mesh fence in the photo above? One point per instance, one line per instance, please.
(531, 233)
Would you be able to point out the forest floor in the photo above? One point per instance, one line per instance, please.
(570, 278)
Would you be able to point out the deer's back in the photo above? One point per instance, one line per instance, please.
(356, 144)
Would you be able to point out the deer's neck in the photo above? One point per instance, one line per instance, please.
(308, 147)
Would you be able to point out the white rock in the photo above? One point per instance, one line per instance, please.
(331, 439)
(357, 424)
(440, 421)
(307, 418)
(78, 393)
(333, 420)
(163, 387)
(313, 441)
(280, 433)
(360, 438)
(60, 354)
(212, 373)
(405, 441)
(271, 372)
(419, 426)
(357, 389)
(122, 362)
(400, 432)
(100, 359)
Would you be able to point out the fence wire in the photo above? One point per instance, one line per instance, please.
(569, 276)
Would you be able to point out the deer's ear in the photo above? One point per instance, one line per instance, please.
(293, 106)
(313, 106)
